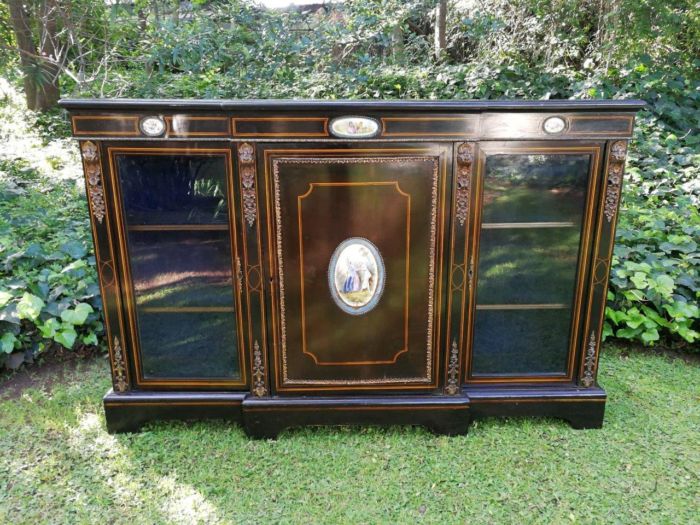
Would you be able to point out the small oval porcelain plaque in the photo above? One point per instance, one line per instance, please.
(354, 127)
(152, 126)
(554, 125)
(356, 276)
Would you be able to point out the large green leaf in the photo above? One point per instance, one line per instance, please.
(77, 315)
(66, 337)
(29, 307)
(4, 297)
(7, 342)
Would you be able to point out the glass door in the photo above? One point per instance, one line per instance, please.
(178, 244)
(529, 250)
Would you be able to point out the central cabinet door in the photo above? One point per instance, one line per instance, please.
(355, 248)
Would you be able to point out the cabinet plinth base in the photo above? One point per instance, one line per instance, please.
(581, 407)
(266, 417)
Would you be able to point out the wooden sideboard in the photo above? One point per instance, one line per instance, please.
(288, 263)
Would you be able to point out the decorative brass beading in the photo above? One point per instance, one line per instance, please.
(465, 158)
(93, 176)
(452, 387)
(616, 166)
(119, 368)
(431, 264)
(259, 388)
(588, 379)
(239, 273)
(246, 155)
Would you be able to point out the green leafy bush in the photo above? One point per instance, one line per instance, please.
(48, 285)
(376, 50)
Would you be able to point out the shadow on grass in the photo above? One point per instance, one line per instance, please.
(638, 468)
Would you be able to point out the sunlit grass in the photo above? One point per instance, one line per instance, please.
(60, 466)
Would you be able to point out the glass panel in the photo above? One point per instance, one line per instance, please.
(173, 189)
(527, 266)
(181, 268)
(533, 208)
(180, 257)
(189, 345)
(535, 188)
(521, 342)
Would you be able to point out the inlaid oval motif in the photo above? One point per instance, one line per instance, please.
(554, 125)
(152, 126)
(354, 127)
(356, 276)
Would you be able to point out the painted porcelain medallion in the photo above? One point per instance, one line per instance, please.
(356, 276)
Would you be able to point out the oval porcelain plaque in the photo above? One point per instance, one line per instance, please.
(152, 126)
(354, 127)
(554, 125)
(356, 276)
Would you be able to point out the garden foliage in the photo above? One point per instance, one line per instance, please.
(377, 50)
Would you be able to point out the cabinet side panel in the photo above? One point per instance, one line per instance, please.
(616, 153)
(460, 268)
(251, 274)
(101, 221)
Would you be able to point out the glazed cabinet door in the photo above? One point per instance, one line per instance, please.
(176, 229)
(530, 245)
(354, 240)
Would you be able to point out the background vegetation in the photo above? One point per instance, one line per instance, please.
(647, 49)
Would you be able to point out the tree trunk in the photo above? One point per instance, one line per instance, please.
(25, 43)
(39, 67)
(47, 91)
(397, 46)
(440, 28)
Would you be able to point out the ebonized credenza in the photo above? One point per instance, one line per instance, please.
(286, 263)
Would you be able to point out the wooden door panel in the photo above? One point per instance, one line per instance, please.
(355, 240)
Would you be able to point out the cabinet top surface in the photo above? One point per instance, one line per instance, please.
(358, 105)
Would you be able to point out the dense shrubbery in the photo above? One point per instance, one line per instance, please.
(495, 49)
(48, 288)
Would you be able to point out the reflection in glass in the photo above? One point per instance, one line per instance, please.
(533, 208)
(184, 345)
(521, 342)
(173, 189)
(181, 268)
(177, 228)
(530, 188)
(527, 266)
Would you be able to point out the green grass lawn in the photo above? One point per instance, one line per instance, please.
(59, 465)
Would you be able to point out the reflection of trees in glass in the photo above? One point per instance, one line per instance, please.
(181, 268)
(526, 188)
(527, 266)
(175, 189)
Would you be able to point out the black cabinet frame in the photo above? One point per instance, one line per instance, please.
(461, 136)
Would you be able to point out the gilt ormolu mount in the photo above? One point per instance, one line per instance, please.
(287, 263)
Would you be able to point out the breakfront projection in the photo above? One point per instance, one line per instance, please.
(288, 263)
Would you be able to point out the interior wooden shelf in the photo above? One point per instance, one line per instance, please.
(177, 227)
(507, 225)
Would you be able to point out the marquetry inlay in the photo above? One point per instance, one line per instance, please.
(431, 263)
